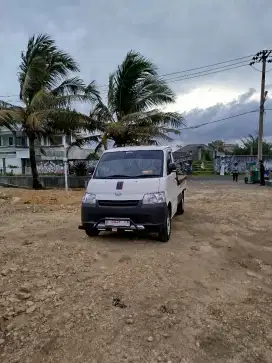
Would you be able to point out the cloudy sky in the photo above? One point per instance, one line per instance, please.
(177, 35)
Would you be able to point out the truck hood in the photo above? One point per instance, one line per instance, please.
(133, 189)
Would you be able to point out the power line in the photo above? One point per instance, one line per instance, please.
(207, 66)
(214, 68)
(219, 120)
(204, 73)
(255, 69)
(8, 96)
(258, 70)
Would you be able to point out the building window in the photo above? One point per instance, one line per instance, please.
(11, 141)
(1, 141)
(20, 141)
(56, 140)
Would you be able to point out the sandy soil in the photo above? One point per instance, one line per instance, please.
(203, 297)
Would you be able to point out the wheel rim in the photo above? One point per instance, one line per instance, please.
(168, 225)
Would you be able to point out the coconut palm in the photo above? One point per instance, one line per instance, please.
(47, 96)
(133, 113)
(250, 146)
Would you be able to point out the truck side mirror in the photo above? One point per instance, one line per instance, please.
(91, 170)
(172, 167)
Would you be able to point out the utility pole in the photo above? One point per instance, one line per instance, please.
(261, 57)
(65, 161)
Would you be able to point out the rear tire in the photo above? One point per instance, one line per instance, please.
(180, 208)
(165, 231)
(91, 232)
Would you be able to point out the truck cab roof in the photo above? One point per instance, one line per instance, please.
(139, 148)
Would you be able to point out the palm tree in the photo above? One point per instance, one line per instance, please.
(132, 115)
(47, 96)
(250, 146)
(250, 143)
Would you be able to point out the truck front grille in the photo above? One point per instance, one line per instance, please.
(118, 203)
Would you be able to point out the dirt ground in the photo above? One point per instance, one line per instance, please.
(203, 297)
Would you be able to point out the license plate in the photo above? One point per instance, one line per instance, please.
(116, 223)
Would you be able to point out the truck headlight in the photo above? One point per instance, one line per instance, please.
(89, 198)
(154, 198)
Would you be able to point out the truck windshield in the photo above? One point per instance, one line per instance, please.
(130, 164)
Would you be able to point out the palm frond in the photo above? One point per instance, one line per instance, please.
(101, 114)
(152, 91)
(12, 116)
(64, 120)
(111, 93)
(42, 150)
(133, 70)
(36, 46)
(43, 66)
(81, 141)
(7, 105)
(103, 143)
(69, 86)
(43, 100)
(93, 92)
(155, 117)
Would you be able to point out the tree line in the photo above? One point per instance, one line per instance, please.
(247, 146)
(49, 89)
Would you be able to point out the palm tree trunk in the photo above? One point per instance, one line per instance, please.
(35, 177)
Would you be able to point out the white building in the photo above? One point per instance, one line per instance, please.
(14, 152)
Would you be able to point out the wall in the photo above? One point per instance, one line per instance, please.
(44, 167)
(57, 166)
(47, 181)
(229, 162)
(52, 163)
(50, 167)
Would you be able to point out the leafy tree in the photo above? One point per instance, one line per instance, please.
(47, 96)
(132, 115)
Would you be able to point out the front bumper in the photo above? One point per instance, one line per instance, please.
(141, 217)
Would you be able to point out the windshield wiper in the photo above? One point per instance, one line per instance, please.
(116, 176)
(147, 176)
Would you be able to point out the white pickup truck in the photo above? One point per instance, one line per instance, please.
(133, 189)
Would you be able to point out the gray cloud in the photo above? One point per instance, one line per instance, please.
(231, 129)
(176, 35)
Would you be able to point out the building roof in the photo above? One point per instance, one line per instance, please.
(190, 147)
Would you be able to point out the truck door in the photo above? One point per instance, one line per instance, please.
(171, 183)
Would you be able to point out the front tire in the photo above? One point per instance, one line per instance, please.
(180, 208)
(91, 232)
(165, 231)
